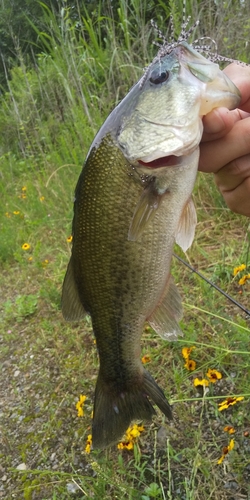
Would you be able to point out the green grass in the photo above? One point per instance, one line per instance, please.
(48, 119)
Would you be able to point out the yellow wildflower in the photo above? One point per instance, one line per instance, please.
(203, 382)
(42, 198)
(132, 433)
(229, 402)
(226, 450)
(244, 278)
(125, 446)
(45, 262)
(24, 188)
(79, 405)
(238, 269)
(69, 239)
(7, 214)
(26, 246)
(146, 359)
(229, 429)
(213, 375)
(88, 444)
(186, 351)
(16, 212)
(190, 365)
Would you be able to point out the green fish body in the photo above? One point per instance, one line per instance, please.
(132, 203)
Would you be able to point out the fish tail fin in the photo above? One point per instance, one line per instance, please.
(113, 413)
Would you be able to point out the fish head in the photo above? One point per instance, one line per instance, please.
(165, 121)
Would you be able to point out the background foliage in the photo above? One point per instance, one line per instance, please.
(64, 66)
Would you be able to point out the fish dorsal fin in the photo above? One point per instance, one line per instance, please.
(186, 228)
(165, 318)
(144, 212)
(72, 307)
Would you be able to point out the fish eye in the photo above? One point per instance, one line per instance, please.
(157, 78)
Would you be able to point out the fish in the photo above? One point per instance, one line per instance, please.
(133, 202)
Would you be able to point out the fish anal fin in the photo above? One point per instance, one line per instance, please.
(186, 228)
(72, 308)
(144, 212)
(115, 410)
(166, 316)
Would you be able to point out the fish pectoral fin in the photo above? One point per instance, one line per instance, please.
(144, 212)
(72, 308)
(165, 318)
(186, 228)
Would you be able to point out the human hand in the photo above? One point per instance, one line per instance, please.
(225, 145)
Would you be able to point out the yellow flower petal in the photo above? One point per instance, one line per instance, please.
(199, 381)
(88, 444)
(221, 459)
(238, 269)
(146, 359)
(131, 435)
(26, 246)
(82, 399)
(79, 405)
(229, 402)
(186, 351)
(229, 429)
(190, 365)
(213, 375)
(244, 278)
(129, 446)
(80, 412)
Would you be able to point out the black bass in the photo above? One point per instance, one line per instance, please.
(132, 202)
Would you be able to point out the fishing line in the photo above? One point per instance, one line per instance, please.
(213, 285)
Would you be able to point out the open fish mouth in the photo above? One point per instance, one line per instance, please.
(165, 161)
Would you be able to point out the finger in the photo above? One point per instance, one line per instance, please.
(240, 75)
(232, 175)
(220, 121)
(238, 199)
(226, 149)
(233, 180)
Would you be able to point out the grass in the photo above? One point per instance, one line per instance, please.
(48, 119)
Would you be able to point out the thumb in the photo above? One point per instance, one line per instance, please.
(219, 122)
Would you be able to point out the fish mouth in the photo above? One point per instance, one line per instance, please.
(165, 161)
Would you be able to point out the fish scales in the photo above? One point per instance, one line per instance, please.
(133, 201)
(120, 276)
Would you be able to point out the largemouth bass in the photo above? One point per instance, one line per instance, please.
(132, 203)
